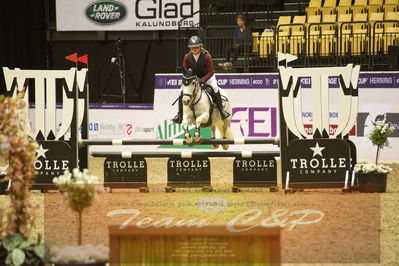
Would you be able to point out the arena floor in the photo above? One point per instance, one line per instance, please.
(357, 228)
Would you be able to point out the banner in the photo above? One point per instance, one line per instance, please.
(125, 15)
(255, 112)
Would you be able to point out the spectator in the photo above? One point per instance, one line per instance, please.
(242, 40)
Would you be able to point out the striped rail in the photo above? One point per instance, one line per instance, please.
(186, 154)
(87, 142)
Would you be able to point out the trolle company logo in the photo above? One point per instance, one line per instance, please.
(126, 171)
(318, 160)
(255, 164)
(124, 165)
(190, 165)
(195, 171)
(255, 170)
(318, 164)
(106, 12)
(52, 159)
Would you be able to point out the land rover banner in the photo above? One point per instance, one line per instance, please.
(120, 15)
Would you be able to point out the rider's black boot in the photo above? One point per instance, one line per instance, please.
(179, 117)
(219, 103)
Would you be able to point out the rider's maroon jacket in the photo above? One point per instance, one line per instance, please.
(203, 68)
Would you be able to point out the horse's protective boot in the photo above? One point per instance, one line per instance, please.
(219, 103)
(178, 119)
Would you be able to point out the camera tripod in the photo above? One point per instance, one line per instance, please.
(119, 60)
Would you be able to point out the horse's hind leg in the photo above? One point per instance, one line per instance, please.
(222, 134)
(213, 129)
(227, 134)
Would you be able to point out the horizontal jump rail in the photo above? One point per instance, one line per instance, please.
(87, 142)
(186, 154)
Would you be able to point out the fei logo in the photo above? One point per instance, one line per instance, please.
(255, 121)
(173, 82)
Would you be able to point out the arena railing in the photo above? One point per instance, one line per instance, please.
(382, 38)
(292, 42)
(320, 44)
(355, 44)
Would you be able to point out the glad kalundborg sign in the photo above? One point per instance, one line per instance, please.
(120, 15)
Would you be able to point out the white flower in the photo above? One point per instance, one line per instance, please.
(79, 254)
(372, 168)
(75, 172)
(76, 177)
(3, 170)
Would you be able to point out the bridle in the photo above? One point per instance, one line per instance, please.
(186, 82)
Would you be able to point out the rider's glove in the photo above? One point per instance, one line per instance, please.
(202, 84)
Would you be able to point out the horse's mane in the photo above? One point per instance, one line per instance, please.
(188, 74)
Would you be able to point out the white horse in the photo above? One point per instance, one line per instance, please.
(198, 109)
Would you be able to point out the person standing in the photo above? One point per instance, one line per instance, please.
(200, 62)
(242, 39)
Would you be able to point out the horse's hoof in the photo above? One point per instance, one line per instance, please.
(225, 147)
(189, 139)
(215, 146)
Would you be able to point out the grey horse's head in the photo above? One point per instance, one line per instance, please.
(189, 83)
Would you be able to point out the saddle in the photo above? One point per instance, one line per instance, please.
(211, 96)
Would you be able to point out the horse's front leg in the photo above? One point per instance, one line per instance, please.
(202, 119)
(187, 135)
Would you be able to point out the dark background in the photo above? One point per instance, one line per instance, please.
(29, 40)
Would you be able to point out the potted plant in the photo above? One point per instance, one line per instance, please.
(372, 177)
(79, 190)
(17, 247)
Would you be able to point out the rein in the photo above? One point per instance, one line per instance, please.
(193, 96)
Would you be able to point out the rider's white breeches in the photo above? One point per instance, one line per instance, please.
(213, 83)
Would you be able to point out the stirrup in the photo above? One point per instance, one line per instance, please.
(224, 114)
(177, 119)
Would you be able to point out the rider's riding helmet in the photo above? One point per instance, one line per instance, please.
(194, 41)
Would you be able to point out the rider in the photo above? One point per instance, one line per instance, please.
(200, 62)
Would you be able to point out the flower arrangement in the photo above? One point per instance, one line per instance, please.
(379, 136)
(17, 247)
(79, 190)
(372, 168)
